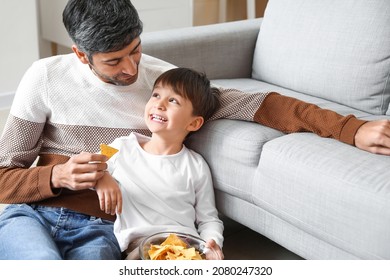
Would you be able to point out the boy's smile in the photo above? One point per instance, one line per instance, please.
(158, 118)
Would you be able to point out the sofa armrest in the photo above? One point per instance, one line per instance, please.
(223, 50)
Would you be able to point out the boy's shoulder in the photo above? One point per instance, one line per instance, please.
(129, 140)
(196, 157)
(133, 136)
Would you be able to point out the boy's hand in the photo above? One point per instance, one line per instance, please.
(217, 254)
(109, 193)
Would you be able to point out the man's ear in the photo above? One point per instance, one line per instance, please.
(196, 124)
(81, 55)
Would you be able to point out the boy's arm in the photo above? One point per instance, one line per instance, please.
(109, 193)
(208, 223)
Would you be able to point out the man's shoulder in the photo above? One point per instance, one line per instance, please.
(56, 59)
(148, 61)
(56, 63)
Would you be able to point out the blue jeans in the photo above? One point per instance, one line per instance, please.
(29, 232)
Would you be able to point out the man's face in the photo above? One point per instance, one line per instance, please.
(119, 67)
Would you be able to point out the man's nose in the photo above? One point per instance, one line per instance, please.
(129, 66)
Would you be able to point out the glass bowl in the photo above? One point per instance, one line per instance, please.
(190, 240)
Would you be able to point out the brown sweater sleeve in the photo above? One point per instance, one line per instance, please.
(19, 147)
(289, 115)
(37, 178)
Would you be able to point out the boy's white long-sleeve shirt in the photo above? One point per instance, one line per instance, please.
(163, 193)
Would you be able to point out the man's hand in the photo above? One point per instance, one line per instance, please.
(109, 193)
(374, 137)
(79, 172)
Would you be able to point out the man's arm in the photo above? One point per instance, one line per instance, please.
(24, 185)
(290, 115)
(20, 145)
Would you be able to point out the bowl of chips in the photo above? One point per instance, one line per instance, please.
(174, 246)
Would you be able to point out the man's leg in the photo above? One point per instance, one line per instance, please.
(88, 238)
(24, 235)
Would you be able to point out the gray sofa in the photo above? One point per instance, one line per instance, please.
(317, 197)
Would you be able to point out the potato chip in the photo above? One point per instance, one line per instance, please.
(108, 151)
(174, 240)
(173, 248)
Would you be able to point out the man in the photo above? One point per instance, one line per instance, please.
(64, 109)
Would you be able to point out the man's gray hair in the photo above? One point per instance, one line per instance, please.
(101, 25)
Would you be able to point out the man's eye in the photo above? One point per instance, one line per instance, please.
(113, 63)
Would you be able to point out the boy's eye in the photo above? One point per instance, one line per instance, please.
(173, 100)
(155, 94)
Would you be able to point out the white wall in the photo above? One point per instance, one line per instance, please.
(19, 45)
(155, 15)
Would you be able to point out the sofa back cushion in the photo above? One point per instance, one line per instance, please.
(337, 50)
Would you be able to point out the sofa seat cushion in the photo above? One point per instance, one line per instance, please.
(337, 51)
(331, 190)
(232, 149)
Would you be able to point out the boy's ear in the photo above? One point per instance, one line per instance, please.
(81, 55)
(196, 124)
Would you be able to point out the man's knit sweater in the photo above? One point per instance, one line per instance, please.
(61, 109)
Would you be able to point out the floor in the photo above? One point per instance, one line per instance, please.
(255, 247)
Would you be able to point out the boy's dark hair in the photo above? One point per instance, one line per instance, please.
(101, 25)
(194, 86)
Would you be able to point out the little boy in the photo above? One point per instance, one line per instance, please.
(164, 186)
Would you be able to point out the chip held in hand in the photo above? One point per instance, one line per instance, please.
(107, 150)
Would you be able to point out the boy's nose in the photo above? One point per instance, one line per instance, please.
(160, 105)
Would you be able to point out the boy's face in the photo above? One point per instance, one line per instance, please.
(119, 67)
(168, 113)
